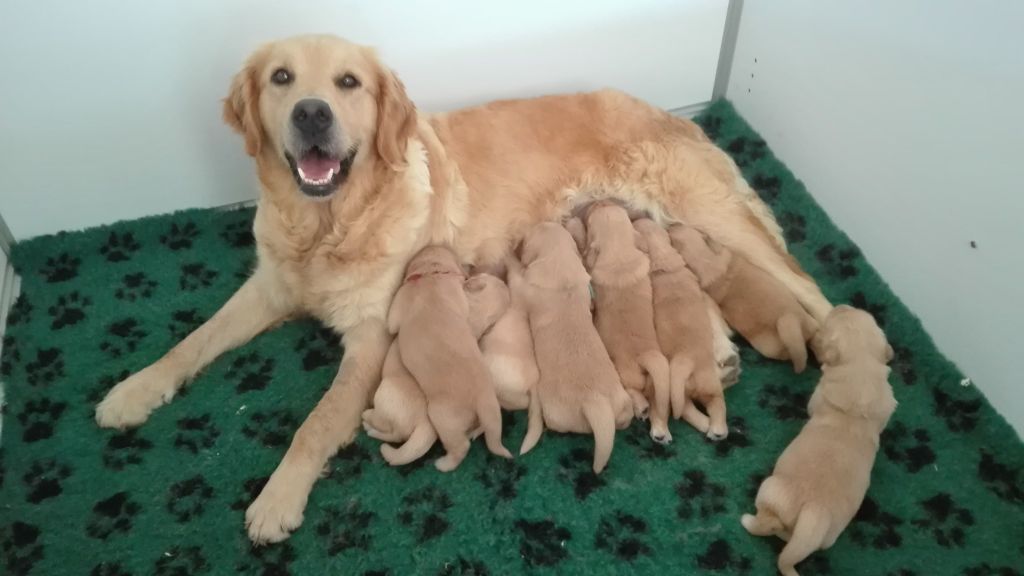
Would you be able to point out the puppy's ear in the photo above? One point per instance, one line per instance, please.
(241, 107)
(474, 284)
(640, 241)
(576, 229)
(396, 119)
(825, 347)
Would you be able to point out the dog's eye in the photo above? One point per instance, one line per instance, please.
(347, 82)
(281, 77)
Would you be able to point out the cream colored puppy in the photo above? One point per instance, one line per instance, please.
(430, 314)
(821, 478)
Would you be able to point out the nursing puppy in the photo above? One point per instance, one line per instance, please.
(430, 315)
(753, 302)
(508, 352)
(683, 326)
(624, 312)
(579, 389)
(821, 478)
(399, 413)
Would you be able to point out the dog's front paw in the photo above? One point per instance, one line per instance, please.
(275, 513)
(131, 402)
(661, 436)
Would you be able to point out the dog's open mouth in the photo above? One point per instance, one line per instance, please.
(319, 172)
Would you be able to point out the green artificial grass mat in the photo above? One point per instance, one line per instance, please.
(947, 494)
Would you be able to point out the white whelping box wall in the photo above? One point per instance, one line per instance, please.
(111, 109)
(904, 120)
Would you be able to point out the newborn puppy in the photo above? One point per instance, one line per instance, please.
(683, 326)
(399, 413)
(508, 352)
(578, 388)
(624, 312)
(430, 314)
(753, 302)
(821, 478)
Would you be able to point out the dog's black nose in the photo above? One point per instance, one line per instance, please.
(312, 116)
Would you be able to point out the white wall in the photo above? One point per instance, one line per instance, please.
(905, 121)
(109, 109)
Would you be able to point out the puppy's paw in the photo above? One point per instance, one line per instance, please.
(661, 436)
(131, 402)
(275, 513)
(749, 522)
(717, 434)
(447, 463)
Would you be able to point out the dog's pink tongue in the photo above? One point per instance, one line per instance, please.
(317, 167)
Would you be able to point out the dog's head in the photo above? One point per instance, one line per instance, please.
(319, 107)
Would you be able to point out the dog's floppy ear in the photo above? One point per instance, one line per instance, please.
(241, 107)
(579, 234)
(396, 119)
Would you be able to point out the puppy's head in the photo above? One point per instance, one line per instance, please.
(850, 334)
(434, 260)
(708, 259)
(319, 107)
(551, 257)
(488, 299)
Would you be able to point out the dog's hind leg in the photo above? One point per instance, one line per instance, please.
(808, 535)
(657, 369)
(454, 437)
(680, 369)
(489, 415)
(763, 524)
(419, 442)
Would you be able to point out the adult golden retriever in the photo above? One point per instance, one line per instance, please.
(354, 182)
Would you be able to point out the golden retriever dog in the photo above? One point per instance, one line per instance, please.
(579, 388)
(624, 312)
(354, 180)
(430, 316)
(752, 301)
(684, 331)
(821, 478)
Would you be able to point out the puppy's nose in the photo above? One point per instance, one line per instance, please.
(312, 116)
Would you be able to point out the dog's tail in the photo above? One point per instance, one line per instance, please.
(792, 335)
(658, 374)
(535, 422)
(489, 413)
(419, 442)
(809, 533)
(598, 413)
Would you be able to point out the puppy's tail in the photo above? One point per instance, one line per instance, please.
(598, 413)
(535, 422)
(792, 335)
(489, 413)
(419, 442)
(809, 533)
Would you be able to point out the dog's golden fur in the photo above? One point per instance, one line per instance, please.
(821, 478)
(685, 334)
(476, 179)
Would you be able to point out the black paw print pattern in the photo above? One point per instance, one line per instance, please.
(737, 438)
(268, 560)
(180, 236)
(272, 428)
(21, 311)
(784, 400)
(119, 247)
(103, 385)
(459, 567)
(719, 557)
(46, 368)
(1004, 481)
(903, 364)
(542, 542)
(115, 514)
(794, 227)
(910, 448)
(425, 512)
(21, 547)
(250, 372)
(875, 527)
(187, 499)
(501, 476)
(638, 436)
(767, 187)
(860, 300)
(184, 322)
(125, 449)
(347, 464)
(123, 337)
(43, 479)
(238, 234)
(106, 568)
(623, 535)
(712, 126)
(251, 488)
(345, 528)
(319, 348)
(134, 287)
(38, 418)
(699, 497)
(986, 569)
(947, 521)
(68, 310)
(196, 434)
(181, 561)
(745, 152)
(960, 415)
(577, 468)
(838, 262)
(194, 276)
(11, 356)
(60, 268)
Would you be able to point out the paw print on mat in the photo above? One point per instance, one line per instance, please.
(125, 449)
(123, 337)
(577, 467)
(319, 348)
(43, 479)
(875, 527)
(47, 367)
(1001, 479)
(638, 435)
(960, 415)
(911, 448)
(986, 569)
(180, 237)
(738, 437)
(181, 561)
(500, 476)
(11, 356)
(250, 372)
(347, 464)
(102, 386)
(60, 268)
(112, 515)
(38, 418)
(948, 522)
(119, 247)
(187, 499)
(134, 287)
(903, 364)
(784, 400)
(195, 434)
(268, 560)
(460, 567)
(794, 227)
(184, 322)
(195, 276)
(346, 527)
(859, 300)
(21, 312)
(106, 568)
(622, 534)
(272, 428)
(68, 310)
(838, 262)
(21, 547)
(719, 557)
(238, 234)
(745, 152)
(542, 543)
(767, 187)
(425, 511)
(251, 488)
(699, 497)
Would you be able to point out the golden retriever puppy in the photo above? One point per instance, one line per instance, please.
(821, 478)
(508, 352)
(430, 315)
(579, 389)
(683, 326)
(624, 312)
(752, 301)
(399, 413)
